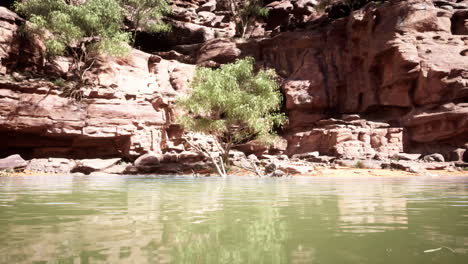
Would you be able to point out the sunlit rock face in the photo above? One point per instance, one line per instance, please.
(351, 138)
(125, 113)
(399, 62)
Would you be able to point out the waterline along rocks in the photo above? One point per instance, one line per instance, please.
(389, 78)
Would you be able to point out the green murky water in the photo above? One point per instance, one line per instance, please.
(236, 220)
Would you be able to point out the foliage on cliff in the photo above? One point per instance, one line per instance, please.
(233, 104)
(81, 31)
(147, 15)
(244, 13)
(93, 26)
(85, 30)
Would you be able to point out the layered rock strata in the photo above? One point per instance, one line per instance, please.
(401, 62)
(125, 112)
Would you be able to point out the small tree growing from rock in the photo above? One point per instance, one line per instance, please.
(80, 30)
(244, 13)
(147, 15)
(233, 104)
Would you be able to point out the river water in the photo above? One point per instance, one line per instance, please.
(80, 219)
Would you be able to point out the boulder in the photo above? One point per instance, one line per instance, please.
(51, 165)
(252, 157)
(295, 168)
(306, 156)
(406, 156)
(12, 162)
(361, 164)
(277, 174)
(209, 6)
(236, 155)
(410, 167)
(218, 50)
(88, 166)
(148, 162)
(436, 157)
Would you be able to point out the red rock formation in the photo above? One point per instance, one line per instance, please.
(400, 59)
(125, 113)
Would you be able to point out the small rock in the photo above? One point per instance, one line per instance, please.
(442, 166)
(148, 162)
(12, 162)
(51, 165)
(406, 156)
(116, 169)
(405, 167)
(210, 6)
(307, 155)
(351, 117)
(296, 169)
(277, 173)
(322, 159)
(447, 7)
(18, 77)
(236, 155)
(88, 166)
(268, 157)
(269, 168)
(252, 157)
(436, 157)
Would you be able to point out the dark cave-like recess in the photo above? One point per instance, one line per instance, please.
(38, 146)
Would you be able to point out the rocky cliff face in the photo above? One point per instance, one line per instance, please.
(402, 62)
(126, 112)
(401, 66)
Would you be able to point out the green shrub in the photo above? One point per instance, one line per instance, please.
(81, 31)
(233, 104)
(59, 82)
(244, 13)
(359, 165)
(147, 15)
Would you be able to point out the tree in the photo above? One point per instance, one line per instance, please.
(233, 104)
(244, 13)
(147, 15)
(81, 31)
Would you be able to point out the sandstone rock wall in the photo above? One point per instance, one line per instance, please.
(125, 112)
(401, 62)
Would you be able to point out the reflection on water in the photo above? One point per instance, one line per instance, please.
(236, 220)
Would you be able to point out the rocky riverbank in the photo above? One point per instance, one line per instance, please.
(308, 164)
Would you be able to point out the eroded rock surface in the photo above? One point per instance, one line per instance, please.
(126, 113)
(356, 139)
(401, 62)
